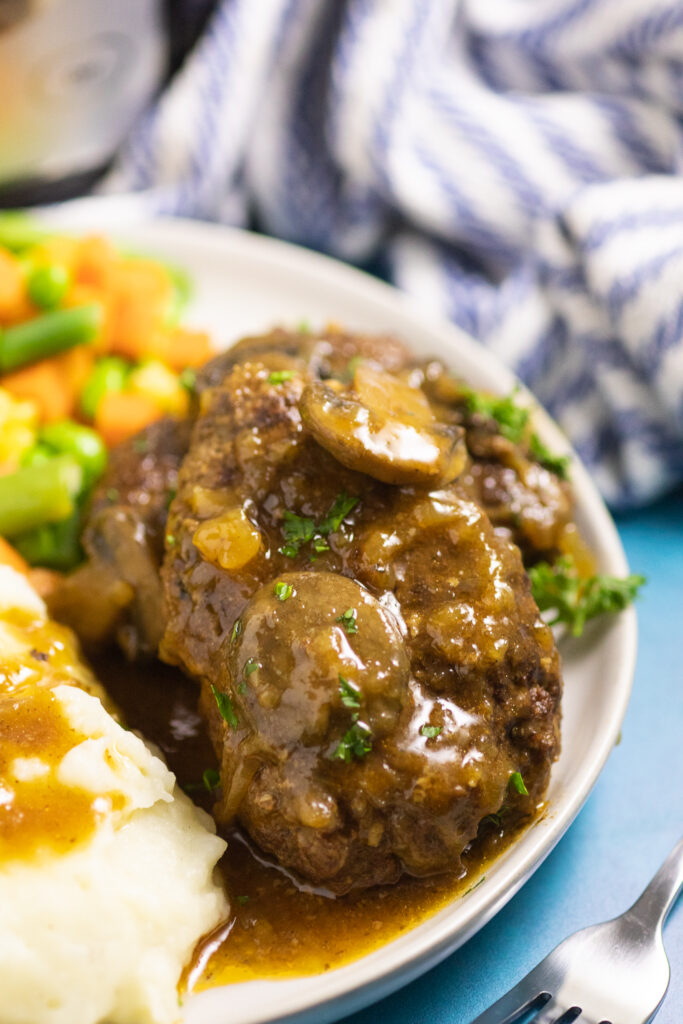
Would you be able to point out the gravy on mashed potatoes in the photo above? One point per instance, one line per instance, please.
(106, 867)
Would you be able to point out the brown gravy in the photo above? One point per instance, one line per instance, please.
(276, 927)
(39, 812)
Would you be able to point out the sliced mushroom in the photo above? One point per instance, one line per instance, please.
(385, 428)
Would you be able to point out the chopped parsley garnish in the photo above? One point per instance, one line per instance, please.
(242, 900)
(250, 666)
(299, 530)
(211, 779)
(342, 505)
(348, 621)
(242, 688)
(283, 590)
(225, 707)
(357, 742)
(511, 418)
(303, 327)
(170, 540)
(112, 494)
(140, 444)
(350, 693)
(475, 886)
(559, 588)
(236, 630)
(494, 819)
(517, 783)
(558, 464)
(280, 376)
(431, 731)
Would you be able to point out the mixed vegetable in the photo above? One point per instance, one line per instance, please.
(91, 351)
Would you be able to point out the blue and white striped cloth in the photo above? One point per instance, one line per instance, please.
(516, 164)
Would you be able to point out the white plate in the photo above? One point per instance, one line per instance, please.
(246, 284)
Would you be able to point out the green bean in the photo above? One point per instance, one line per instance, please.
(38, 494)
(47, 335)
(47, 285)
(54, 545)
(109, 374)
(18, 231)
(84, 444)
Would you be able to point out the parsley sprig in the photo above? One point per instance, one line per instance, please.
(211, 779)
(517, 783)
(350, 694)
(558, 588)
(348, 621)
(513, 423)
(225, 707)
(511, 418)
(300, 530)
(558, 464)
(280, 376)
(283, 590)
(431, 731)
(297, 531)
(357, 742)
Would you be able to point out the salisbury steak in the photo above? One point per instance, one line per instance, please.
(374, 669)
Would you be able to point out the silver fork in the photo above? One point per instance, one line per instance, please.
(611, 973)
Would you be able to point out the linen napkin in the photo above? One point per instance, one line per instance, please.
(514, 164)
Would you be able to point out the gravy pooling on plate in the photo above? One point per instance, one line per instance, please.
(276, 927)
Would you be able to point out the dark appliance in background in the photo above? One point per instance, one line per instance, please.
(74, 75)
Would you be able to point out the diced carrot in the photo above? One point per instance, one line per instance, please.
(95, 260)
(120, 414)
(45, 384)
(53, 384)
(24, 310)
(141, 293)
(181, 347)
(9, 556)
(13, 299)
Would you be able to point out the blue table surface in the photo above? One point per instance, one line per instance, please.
(632, 819)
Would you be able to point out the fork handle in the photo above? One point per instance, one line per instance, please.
(653, 906)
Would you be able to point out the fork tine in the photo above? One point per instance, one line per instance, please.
(556, 1013)
(518, 1002)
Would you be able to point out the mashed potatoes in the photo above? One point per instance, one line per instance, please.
(105, 866)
